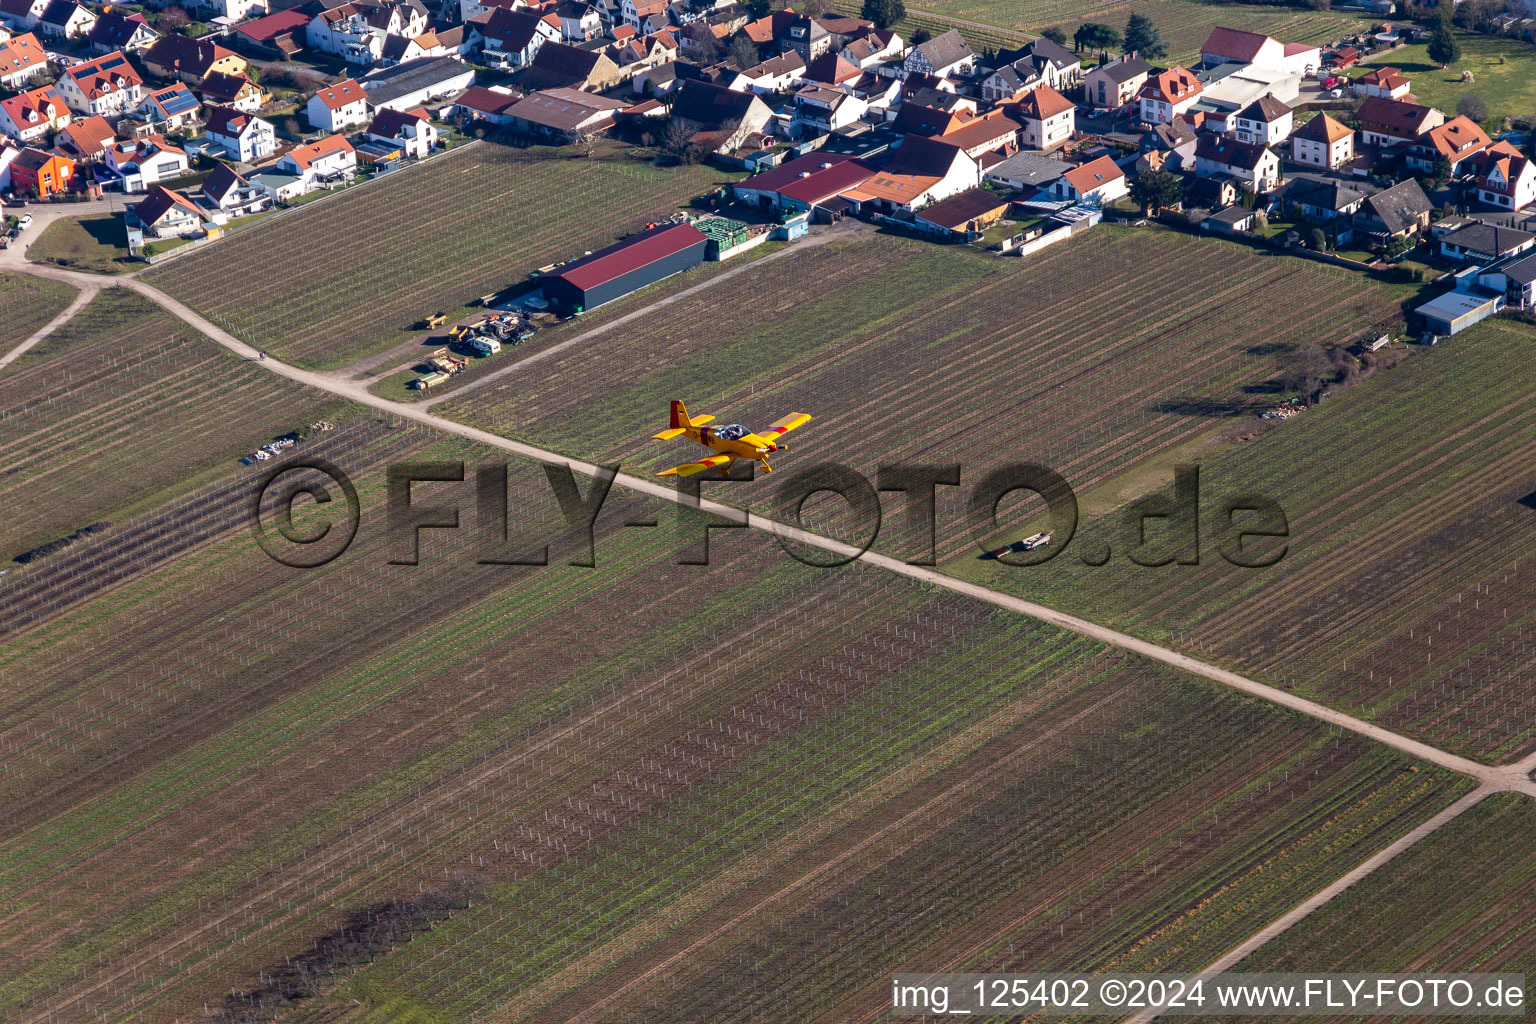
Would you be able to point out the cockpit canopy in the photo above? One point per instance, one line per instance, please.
(731, 432)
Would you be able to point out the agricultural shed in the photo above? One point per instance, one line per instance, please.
(409, 85)
(969, 212)
(1454, 312)
(637, 261)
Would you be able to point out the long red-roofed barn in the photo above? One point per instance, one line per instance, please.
(614, 272)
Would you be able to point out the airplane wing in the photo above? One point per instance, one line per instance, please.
(785, 425)
(697, 467)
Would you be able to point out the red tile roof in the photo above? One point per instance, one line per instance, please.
(1044, 102)
(1093, 174)
(308, 154)
(341, 94)
(632, 253)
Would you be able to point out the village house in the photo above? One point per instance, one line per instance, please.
(579, 22)
(1384, 83)
(108, 86)
(1253, 167)
(412, 130)
(1011, 81)
(228, 190)
(804, 35)
(22, 15)
(34, 114)
(1324, 143)
(1479, 242)
(1266, 121)
(723, 117)
(993, 132)
(21, 61)
(776, 74)
(86, 139)
(1168, 147)
(1027, 171)
(513, 38)
(1394, 214)
(191, 60)
(1056, 66)
(66, 19)
(329, 161)
(1047, 119)
(1515, 277)
(562, 66)
(1098, 182)
(142, 163)
(873, 47)
(169, 109)
(41, 174)
(1391, 123)
(339, 106)
(1456, 141)
(1168, 94)
(1507, 179)
(831, 69)
(235, 91)
(1111, 86)
(945, 56)
(646, 17)
(129, 33)
(820, 109)
(242, 136)
(167, 214)
(923, 171)
(1235, 46)
(1331, 204)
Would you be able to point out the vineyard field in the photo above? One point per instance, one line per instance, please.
(1480, 918)
(1405, 592)
(26, 304)
(1101, 368)
(360, 270)
(222, 760)
(120, 406)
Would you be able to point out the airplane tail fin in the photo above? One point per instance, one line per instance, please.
(679, 415)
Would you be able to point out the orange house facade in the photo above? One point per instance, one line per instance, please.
(42, 174)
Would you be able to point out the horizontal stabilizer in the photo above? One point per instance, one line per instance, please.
(699, 421)
(667, 435)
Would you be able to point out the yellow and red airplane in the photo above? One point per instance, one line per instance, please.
(732, 440)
